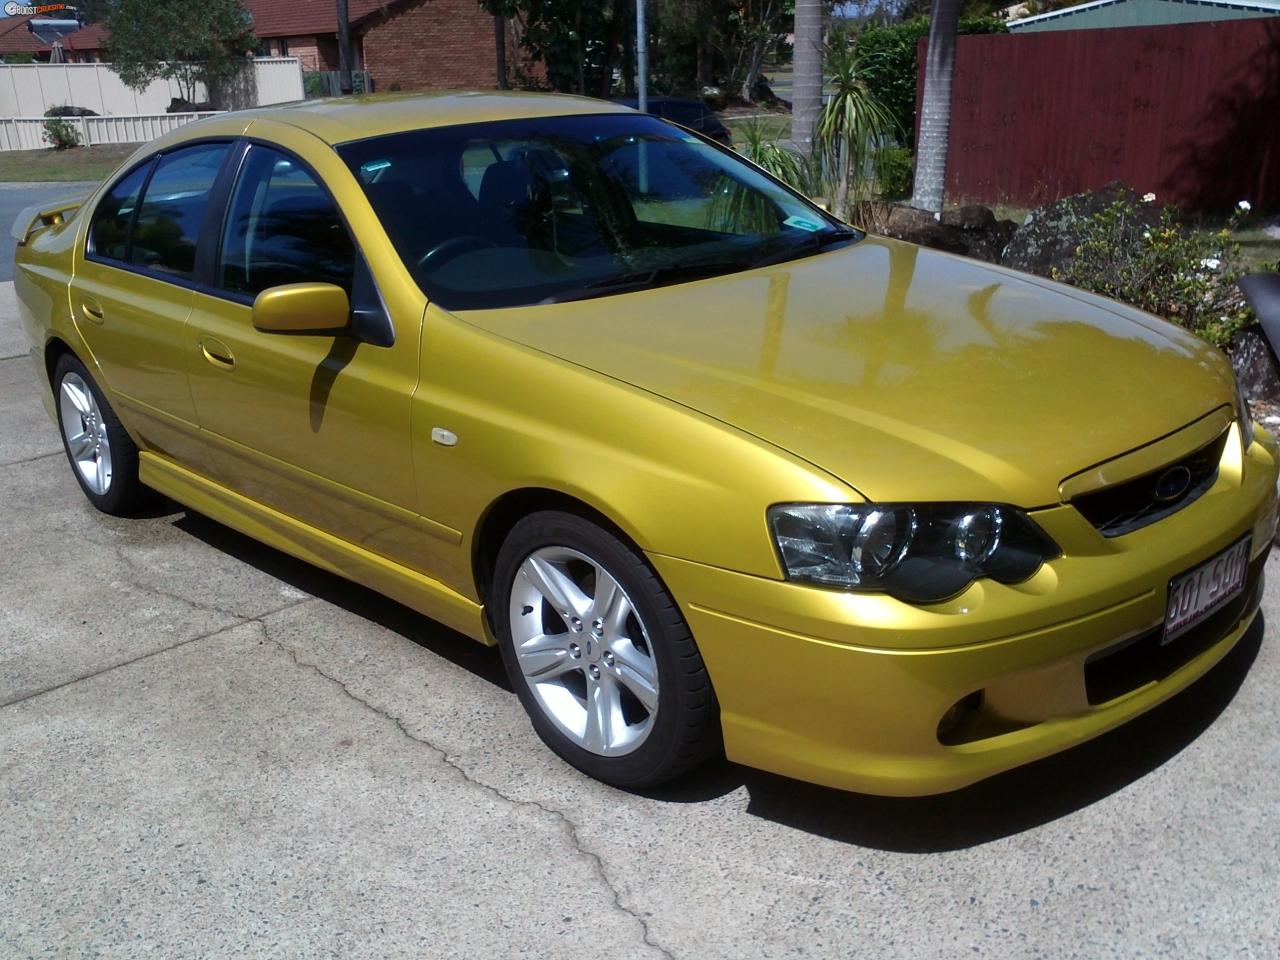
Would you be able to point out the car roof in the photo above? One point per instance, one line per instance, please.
(685, 101)
(343, 119)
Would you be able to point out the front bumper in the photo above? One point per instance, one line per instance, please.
(848, 690)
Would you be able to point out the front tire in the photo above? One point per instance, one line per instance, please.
(599, 654)
(103, 457)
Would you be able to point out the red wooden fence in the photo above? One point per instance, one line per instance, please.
(1190, 112)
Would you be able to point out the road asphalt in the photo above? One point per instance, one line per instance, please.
(14, 197)
(208, 749)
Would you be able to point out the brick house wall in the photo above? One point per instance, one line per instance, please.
(313, 52)
(432, 44)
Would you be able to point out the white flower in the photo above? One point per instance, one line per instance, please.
(1211, 263)
(1146, 234)
(1244, 206)
(1148, 198)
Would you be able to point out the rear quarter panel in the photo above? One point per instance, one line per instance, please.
(41, 278)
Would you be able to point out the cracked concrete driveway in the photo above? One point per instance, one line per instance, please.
(209, 749)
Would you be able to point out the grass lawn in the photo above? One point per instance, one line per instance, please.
(78, 163)
(1258, 251)
(776, 126)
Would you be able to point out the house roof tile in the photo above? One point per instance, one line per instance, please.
(16, 38)
(92, 37)
(292, 18)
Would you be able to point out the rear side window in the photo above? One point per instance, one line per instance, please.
(282, 227)
(173, 209)
(109, 234)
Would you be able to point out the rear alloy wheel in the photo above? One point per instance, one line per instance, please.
(599, 654)
(103, 456)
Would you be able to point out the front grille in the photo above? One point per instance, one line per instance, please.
(1125, 507)
(1124, 668)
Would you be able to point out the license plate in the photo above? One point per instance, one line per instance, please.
(1194, 595)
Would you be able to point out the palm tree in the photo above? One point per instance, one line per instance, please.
(853, 124)
(806, 84)
(935, 107)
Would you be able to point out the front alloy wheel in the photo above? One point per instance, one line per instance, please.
(599, 654)
(583, 651)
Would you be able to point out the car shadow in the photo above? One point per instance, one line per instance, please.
(450, 645)
(1001, 806)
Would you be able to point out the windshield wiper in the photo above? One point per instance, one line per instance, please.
(810, 244)
(653, 277)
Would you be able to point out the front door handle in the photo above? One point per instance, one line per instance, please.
(217, 353)
(92, 309)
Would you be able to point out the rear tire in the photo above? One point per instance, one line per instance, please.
(103, 457)
(600, 655)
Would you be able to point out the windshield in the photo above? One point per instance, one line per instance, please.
(530, 211)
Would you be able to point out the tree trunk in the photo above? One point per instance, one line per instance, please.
(806, 84)
(629, 52)
(344, 49)
(500, 50)
(755, 64)
(935, 107)
(617, 15)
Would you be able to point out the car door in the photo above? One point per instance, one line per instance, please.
(131, 293)
(315, 425)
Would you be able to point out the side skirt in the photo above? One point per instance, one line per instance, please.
(429, 597)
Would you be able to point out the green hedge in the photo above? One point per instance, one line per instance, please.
(889, 63)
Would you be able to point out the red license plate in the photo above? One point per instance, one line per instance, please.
(1195, 595)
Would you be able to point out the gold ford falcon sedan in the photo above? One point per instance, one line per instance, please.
(712, 469)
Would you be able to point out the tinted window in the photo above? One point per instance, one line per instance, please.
(282, 228)
(173, 208)
(521, 211)
(109, 235)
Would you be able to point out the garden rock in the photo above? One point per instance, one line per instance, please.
(971, 231)
(1049, 236)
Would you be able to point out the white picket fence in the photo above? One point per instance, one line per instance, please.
(29, 89)
(27, 133)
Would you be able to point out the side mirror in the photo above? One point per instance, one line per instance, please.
(302, 308)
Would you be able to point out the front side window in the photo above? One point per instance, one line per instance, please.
(173, 209)
(282, 227)
(525, 211)
(109, 231)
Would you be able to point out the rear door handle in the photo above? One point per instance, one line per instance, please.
(92, 309)
(217, 353)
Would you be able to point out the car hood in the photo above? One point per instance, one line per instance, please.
(907, 373)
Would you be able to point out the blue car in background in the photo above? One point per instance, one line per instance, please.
(693, 114)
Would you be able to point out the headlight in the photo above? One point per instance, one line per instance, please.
(920, 553)
(1243, 418)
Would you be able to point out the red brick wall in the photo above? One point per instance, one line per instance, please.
(433, 44)
(314, 52)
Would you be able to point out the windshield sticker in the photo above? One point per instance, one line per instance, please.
(800, 223)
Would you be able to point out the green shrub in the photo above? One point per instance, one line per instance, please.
(888, 55)
(792, 168)
(895, 171)
(314, 85)
(67, 110)
(1176, 271)
(61, 134)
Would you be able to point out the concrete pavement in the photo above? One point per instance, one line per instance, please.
(210, 749)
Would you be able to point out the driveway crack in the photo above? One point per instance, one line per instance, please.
(38, 456)
(570, 828)
(239, 622)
